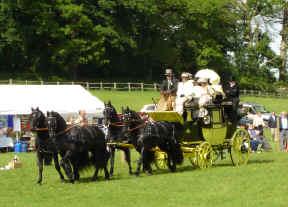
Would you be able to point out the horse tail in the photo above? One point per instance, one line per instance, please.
(178, 154)
(83, 160)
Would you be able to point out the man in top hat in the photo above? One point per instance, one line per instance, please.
(232, 92)
(168, 92)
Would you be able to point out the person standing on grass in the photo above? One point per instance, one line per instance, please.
(283, 130)
(258, 123)
(272, 124)
(81, 120)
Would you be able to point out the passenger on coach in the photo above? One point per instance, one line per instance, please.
(184, 92)
(168, 92)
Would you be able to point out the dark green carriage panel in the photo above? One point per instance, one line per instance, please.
(192, 132)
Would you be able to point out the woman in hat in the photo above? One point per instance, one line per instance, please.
(168, 92)
(184, 92)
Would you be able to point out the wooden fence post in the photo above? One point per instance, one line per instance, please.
(58, 83)
(142, 86)
(26, 82)
(10, 81)
(87, 86)
(129, 87)
(41, 82)
(101, 85)
(155, 86)
(72, 83)
(115, 85)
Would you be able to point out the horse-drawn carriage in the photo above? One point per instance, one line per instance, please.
(201, 140)
(205, 141)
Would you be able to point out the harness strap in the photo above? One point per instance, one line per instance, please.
(137, 127)
(66, 130)
(41, 129)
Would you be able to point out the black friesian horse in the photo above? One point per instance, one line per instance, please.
(114, 124)
(45, 148)
(146, 136)
(83, 146)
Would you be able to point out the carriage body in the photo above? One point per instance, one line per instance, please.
(205, 141)
(216, 131)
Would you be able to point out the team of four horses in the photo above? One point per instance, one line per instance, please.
(84, 146)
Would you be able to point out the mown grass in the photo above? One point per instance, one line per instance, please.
(260, 183)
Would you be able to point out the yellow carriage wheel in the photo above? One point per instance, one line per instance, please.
(161, 159)
(205, 155)
(240, 147)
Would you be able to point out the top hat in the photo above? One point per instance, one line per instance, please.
(168, 71)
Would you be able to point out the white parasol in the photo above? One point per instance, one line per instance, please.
(213, 77)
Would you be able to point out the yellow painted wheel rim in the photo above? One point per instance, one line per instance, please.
(240, 147)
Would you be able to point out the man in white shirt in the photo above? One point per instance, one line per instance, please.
(283, 130)
(184, 92)
(258, 122)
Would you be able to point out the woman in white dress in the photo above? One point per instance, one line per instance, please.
(184, 92)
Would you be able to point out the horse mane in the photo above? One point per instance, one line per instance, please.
(135, 114)
(60, 120)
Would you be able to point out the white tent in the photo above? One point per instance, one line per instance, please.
(65, 99)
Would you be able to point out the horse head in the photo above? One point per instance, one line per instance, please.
(36, 119)
(131, 119)
(55, 123)
(110, 114)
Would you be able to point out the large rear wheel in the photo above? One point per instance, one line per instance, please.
(240, 147)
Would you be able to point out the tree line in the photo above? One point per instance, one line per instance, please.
(138, 39)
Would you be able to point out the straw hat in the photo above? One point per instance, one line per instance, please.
(202, 80)
(185, 75)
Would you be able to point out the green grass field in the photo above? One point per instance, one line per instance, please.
(262, 182)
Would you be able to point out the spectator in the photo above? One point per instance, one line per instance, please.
(283, 130)
(258, 123)
(254, 138)
(272, 124)
(70, 121)
(81, 120)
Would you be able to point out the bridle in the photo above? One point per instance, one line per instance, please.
(129, 118)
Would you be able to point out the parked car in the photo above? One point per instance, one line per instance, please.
(148, 108)
(251, 110)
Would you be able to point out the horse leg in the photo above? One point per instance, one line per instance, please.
(107, 176)
(57, 166)
(112, 154)
(40, 165)
(96, 173)
(140, 162)
(65, 163)
(128, 159)
(147, 162)
(173, 166)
